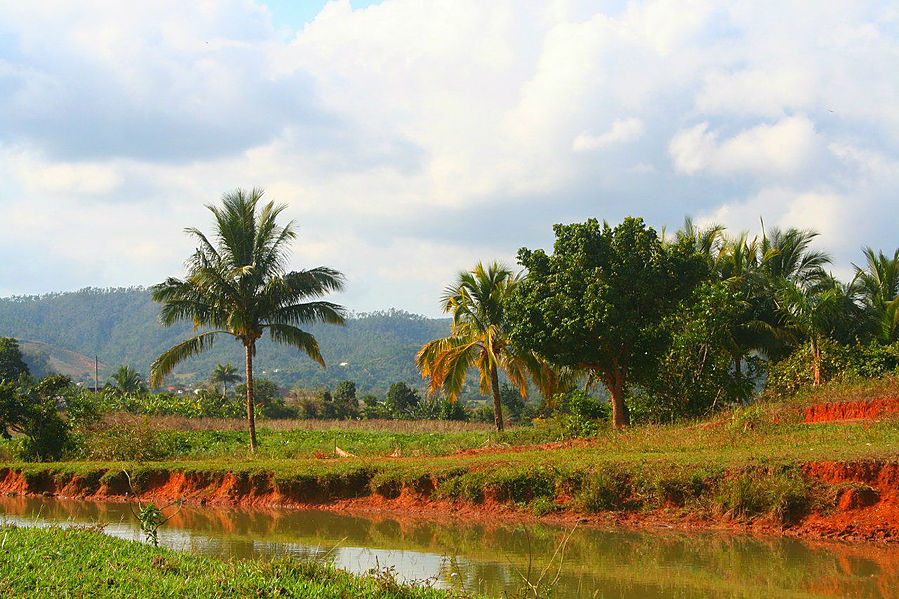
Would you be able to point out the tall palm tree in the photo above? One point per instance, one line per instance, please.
(237, 285)
(879, 282)
(224, 374)
(477, 339)
(127, 380)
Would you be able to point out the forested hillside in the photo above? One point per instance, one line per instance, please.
(120, 327)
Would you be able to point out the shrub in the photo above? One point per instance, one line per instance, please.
(838, 362)
(30, 408)
(605, 489)
(130, 441)
(782, 495)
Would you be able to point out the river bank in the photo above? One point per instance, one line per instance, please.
(856, 500)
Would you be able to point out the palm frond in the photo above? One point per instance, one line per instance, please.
(291, 335)
(164, 364)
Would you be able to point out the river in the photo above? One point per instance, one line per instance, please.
(496, 558)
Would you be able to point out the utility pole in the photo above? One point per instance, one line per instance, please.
(96, 373)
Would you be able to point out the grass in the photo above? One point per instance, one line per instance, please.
(70, 562)
(743, 463)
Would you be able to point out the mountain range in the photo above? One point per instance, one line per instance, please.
(66, 332)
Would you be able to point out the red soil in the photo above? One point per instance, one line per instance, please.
(852, 410)
(866, 506)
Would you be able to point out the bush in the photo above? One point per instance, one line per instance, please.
(30, 408)
(838, 362)
(782, 495)
(131, 441)
(576, 415)
(606, 489)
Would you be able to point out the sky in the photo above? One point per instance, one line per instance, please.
(410, 139)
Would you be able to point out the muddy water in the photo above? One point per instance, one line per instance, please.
(493, 559)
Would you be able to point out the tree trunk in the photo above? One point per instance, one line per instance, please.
(497, 404)
(738, 367)
(816, 358)
(620, 416)
(251, 405)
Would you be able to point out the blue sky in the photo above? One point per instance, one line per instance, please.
(412, 138)
(297, 13)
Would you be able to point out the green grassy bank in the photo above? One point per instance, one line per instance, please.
(746, 463)
(60, 562)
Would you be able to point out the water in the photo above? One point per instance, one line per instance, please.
(493, 558)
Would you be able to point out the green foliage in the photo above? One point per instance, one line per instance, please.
(599, 300)
(201, 403)
(30, 408)
(401, 399)
(437, 407)
(782, 495)
(268, 398)
(11, 364)
(126, 380)
(67, 562)
(605, 489)
(576, 414)
(838, 362)
(226, 374)
(696, 374)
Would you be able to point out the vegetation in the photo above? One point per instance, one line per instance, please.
(225, 374)
(11, 364)
(127, 381)
(238, 286)
(478, 339)
(71, 562)
(597, 303)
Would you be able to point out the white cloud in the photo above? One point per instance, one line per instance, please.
(622, 131)
(784, 147)
(412, 137)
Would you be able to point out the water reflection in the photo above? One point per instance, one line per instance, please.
(491, 559)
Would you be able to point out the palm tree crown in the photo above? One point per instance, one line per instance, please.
(237, 284)
(128, 381)
(225, 374)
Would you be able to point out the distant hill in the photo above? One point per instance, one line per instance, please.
(65, 331)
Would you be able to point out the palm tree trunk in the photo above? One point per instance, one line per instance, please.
(251, 406)
(497, 404)
(816, 357)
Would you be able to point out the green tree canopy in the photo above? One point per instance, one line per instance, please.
(598, 301)
(401, 399)
(12, 366)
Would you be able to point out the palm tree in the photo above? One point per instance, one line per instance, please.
(811, 314)
(239, 286)
(127, 381)
(477, 339)
(787, 255)
(879, 282)
(224, 374)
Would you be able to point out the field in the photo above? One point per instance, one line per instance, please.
(86, 563)
(762, 464)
